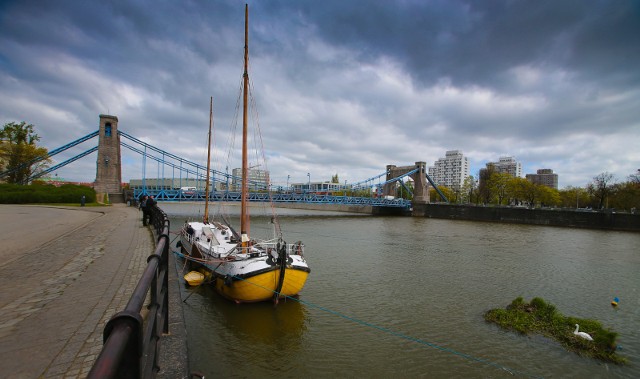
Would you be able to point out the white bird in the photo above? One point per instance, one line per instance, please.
(584, 335)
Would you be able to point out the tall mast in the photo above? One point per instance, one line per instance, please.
(206, 190)
(244, 216)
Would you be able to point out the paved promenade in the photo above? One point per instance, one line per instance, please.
(63, 273)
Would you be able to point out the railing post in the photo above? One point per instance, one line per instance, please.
(122, 350)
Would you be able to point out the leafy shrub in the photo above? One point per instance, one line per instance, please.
(42, 193)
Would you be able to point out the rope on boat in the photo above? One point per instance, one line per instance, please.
(282, 262)
(401, 335)
(199, 260)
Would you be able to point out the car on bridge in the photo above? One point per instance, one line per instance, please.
(188, 191)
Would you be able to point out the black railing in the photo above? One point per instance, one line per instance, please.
(131, 344)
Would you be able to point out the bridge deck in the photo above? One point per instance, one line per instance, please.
(276, 197)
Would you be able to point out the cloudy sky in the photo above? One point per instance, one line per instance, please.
(342, 87)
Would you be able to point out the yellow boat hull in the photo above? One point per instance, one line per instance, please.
(262, 286)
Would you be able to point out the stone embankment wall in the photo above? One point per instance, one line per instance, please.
(551, 217)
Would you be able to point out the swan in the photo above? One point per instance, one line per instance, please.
(584, 335)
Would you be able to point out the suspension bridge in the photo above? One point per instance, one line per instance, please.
(187, 178)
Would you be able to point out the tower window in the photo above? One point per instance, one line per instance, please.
(107, 130)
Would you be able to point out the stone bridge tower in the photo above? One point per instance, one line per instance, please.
(108, 169)
(420, 192)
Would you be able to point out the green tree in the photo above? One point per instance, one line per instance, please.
(19, 152)
(484, 188)
(574, 197)
(498, 183)
(446, 191)
(401, 191)
(468, 190)
(547, 196)
(334, 179)
(517, 189)
(625, 196)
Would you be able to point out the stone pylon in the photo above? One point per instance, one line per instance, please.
(420, 191)
(108, 169)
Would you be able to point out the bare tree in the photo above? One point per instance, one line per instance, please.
(600, 187)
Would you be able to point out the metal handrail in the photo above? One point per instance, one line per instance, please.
(130, 348)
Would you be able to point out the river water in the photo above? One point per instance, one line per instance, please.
(405, 297)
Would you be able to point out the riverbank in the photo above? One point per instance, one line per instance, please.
(608, 220)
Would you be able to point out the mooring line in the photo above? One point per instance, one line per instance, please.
(398, 334)
(394, 333)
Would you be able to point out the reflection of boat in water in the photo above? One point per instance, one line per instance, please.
(244, 269)
(262, 323)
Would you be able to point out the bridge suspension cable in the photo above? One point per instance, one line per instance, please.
(51, 154)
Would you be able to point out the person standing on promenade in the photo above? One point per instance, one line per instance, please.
(143, 208)
(150, 203)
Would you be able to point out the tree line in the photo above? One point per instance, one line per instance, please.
(495, 188)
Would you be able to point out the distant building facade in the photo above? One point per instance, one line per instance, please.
(508, 165)
(450, 171)
(171, 184)
(544, 177)
(316, 187)
(258, 179)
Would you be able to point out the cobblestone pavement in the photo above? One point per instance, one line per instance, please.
(58, 293)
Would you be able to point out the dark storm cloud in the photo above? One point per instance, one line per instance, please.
(343, 87)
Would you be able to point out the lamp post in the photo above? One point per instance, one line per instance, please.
(309, 182)
(288, 176)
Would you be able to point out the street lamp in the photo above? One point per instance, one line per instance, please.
(288, 176)
(309, 182)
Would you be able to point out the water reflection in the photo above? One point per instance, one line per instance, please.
(428, 279)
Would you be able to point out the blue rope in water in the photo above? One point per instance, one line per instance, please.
(394, 333)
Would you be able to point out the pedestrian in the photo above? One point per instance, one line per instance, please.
(143, 208)
(82, 200)
(150, 203)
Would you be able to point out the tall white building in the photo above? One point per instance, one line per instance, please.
(508, 165)
(258, 179)
(450, 171)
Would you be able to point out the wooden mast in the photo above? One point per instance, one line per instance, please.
(206, 190)
(244, 216)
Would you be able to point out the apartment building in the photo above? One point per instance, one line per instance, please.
(508, 165)
(450, 171)
(544, 177)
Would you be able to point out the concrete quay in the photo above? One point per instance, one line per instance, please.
(64, 272)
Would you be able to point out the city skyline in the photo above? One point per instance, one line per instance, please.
(340, 88)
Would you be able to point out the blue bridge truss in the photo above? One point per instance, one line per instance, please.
(190, 170)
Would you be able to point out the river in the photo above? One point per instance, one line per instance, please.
(405, 297)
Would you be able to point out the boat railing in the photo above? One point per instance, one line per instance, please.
(130, 343)
(292, 248)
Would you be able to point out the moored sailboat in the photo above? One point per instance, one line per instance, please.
(243, 269)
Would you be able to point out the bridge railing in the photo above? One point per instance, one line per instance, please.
(131, 344)
(277, 197)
